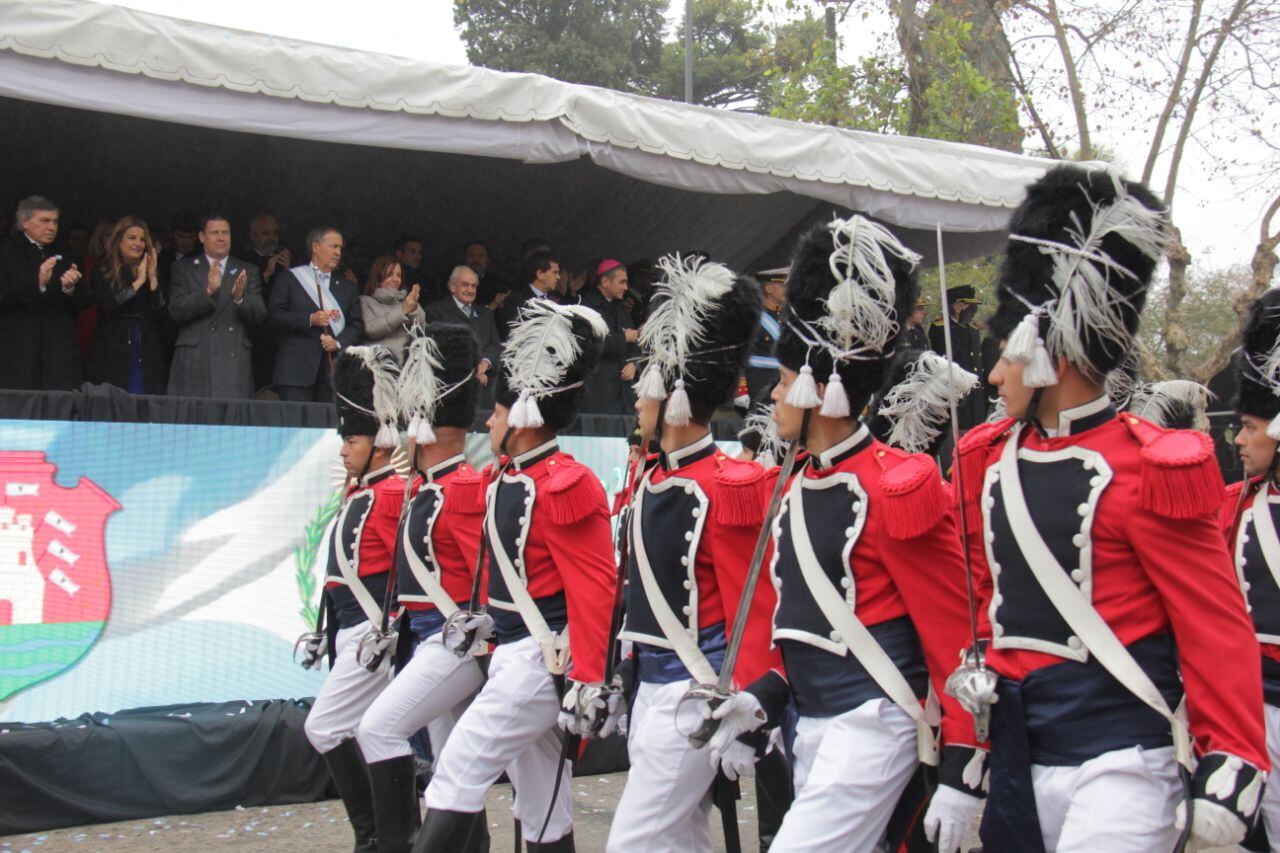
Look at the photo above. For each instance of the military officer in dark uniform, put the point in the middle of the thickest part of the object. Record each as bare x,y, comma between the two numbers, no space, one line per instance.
966,348
762,366
913,334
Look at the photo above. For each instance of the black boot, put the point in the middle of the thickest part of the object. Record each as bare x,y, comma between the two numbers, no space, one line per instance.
395,803
351,778
563,845
773,795
453,832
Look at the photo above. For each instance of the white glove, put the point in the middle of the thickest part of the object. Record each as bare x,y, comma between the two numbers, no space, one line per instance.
1212,825
457,630
736,760
581,707
950,818
739,714
616,711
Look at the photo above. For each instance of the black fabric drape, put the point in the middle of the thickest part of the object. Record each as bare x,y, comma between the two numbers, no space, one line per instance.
177,759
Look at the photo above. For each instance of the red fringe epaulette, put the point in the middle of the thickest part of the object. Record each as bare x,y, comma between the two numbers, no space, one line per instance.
1180,476
742,492
573,492
915,498
971,464
390,497
466,492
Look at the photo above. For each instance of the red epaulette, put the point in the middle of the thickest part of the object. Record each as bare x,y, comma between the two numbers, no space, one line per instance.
971,465
390,496
1180,476
915,496
574,491
742,492
466,492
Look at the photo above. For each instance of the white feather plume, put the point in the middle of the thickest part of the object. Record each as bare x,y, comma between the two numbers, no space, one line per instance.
760,421
998,410
379,361
1159,402
1120,386
542,347
676,328
1086,306
420,380
860,306
918,407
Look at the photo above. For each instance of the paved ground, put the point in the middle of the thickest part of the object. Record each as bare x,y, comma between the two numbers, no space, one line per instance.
322,827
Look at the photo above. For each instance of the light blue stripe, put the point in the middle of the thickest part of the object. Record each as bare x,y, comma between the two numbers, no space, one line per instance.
765,361
770,325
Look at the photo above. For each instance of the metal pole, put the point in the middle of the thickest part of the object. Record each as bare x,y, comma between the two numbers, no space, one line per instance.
688,51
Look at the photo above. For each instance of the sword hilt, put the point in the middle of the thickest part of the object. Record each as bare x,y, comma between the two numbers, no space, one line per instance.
313,645
373,648
463,648
714,696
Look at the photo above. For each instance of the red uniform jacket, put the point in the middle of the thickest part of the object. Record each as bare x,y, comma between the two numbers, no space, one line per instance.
893,509
443,529
365,533
564,545
1150,555
1262,607
721,505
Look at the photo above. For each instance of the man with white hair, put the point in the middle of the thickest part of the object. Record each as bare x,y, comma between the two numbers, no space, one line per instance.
460,307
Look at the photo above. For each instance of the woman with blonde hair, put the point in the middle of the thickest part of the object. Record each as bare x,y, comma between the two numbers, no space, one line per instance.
127,350
389,312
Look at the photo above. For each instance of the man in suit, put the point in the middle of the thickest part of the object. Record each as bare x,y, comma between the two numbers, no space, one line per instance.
315,314
265,251
542,273
493,290
460,307
214,299
966,346
41,293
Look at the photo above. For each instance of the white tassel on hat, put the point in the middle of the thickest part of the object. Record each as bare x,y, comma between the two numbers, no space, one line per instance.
424,434
835,402
525,414
651,386
1021,346
1273,428
678,411
388,436
1040,372
803,393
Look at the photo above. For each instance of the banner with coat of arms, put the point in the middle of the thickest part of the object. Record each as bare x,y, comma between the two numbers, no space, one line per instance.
156,564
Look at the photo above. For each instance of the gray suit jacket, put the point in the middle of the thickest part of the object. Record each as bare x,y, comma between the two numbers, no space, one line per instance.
212,355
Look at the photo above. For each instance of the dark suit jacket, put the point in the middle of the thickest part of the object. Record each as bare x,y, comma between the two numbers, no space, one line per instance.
212,355
606,391
510,310
38,329
299,354
481,323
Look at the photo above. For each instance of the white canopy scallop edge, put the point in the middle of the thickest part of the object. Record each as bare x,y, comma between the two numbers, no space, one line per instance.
109,58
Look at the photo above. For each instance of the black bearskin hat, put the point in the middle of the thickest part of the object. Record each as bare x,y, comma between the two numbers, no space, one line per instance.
365,396
698,337
1082,248
816,331
545,362
437,382
1258,361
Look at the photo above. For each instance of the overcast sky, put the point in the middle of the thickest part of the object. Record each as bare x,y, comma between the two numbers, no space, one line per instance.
1219,220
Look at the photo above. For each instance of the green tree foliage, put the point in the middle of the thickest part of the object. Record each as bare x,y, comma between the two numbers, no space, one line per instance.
730,54
612,43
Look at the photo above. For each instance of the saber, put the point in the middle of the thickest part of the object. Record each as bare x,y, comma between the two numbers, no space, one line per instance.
374,645
474,607
972,684
715,694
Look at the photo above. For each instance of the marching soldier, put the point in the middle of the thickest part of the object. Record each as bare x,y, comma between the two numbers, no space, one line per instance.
693,525
867,564
438,545
550,594
966,348
1250,513
1098,560
360,548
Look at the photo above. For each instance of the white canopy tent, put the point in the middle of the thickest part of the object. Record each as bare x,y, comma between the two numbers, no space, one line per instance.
739,183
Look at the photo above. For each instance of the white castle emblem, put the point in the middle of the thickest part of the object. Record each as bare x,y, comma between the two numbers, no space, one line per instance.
21,583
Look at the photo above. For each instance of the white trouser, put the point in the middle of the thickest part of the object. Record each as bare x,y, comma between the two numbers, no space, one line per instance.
1121,801
850,770
432,690
511,725
1271,799
666,804
345,695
